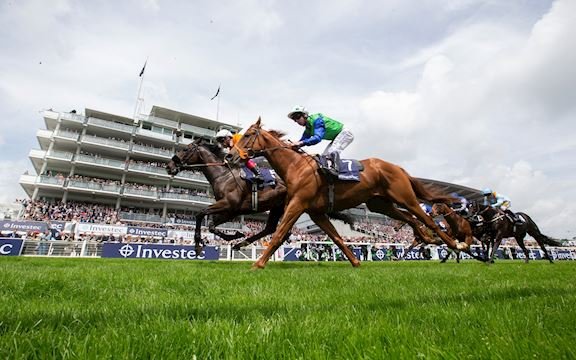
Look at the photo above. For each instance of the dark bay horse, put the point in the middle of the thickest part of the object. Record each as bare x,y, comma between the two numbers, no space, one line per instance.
499,226
233,194
381,186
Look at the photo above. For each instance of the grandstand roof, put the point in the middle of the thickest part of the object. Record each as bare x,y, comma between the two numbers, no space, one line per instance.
467,192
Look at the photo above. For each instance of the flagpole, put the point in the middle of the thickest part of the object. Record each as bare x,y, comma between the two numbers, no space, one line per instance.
217,107
139,98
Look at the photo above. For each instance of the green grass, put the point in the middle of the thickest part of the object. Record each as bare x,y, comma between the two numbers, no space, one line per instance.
154,309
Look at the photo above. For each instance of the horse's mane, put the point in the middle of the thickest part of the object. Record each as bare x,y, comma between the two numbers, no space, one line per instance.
213,148
277,133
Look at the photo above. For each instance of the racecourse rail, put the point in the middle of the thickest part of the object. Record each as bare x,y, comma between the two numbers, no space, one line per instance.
165,246
300,251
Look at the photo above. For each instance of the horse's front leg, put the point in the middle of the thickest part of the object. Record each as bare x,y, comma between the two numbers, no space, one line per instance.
222,218
292,212
495,246
198,244
271,224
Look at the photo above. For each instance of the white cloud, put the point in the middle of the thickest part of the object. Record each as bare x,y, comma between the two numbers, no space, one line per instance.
477,92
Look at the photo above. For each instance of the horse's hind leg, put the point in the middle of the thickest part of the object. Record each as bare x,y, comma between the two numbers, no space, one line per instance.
541,244
324,223
520,241
379,205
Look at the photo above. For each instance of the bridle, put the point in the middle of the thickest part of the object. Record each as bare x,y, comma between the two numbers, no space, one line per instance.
181,166
247,152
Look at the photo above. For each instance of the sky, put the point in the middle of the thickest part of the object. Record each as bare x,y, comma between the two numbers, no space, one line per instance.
481,93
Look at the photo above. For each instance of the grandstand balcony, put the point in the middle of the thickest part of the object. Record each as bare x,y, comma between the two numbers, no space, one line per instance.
148,218
198,130
109,125
93,187
97,140
177,197
155,152
157,134
198,177
171,124
148,169
140,193
91,160
51,119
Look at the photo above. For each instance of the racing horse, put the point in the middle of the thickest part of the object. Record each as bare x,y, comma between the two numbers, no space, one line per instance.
233,195
459,227
499,226
381,186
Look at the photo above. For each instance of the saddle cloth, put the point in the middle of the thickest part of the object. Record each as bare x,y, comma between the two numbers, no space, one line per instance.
348,169
269,176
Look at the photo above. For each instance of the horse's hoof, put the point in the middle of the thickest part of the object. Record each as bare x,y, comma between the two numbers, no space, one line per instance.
462,246
257,266
356,264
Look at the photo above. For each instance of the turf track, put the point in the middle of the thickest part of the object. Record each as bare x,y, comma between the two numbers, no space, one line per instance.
155,309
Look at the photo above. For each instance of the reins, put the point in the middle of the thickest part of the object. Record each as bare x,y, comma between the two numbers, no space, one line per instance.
191,167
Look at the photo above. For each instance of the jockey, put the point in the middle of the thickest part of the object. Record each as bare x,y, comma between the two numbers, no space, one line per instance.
226,141
499,201
461,206
427,208
319,127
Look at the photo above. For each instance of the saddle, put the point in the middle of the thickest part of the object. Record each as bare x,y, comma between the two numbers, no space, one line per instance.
333,168
269,176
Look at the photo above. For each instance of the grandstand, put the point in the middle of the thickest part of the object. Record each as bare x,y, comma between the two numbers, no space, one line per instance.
106,159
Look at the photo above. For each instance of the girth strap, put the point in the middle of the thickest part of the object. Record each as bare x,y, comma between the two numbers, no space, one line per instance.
254,196
330,197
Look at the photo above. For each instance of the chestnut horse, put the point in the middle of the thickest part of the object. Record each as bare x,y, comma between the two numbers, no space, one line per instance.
381,185
460,228
233,194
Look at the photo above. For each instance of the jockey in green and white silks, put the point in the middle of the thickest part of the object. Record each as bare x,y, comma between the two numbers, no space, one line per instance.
320,127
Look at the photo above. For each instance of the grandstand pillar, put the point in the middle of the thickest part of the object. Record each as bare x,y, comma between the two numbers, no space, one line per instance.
164,212
34,194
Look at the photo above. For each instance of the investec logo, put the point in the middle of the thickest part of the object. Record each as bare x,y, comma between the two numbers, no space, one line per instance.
158,253
142,232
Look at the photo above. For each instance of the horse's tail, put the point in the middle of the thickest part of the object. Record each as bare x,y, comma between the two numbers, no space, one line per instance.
347,219
429,193
535,232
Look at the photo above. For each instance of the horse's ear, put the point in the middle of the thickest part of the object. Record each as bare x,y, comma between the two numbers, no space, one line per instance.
259,121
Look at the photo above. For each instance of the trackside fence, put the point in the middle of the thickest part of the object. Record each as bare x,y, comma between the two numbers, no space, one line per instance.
300,251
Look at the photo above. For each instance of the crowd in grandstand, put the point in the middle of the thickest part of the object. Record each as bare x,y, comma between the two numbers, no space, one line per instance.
368,231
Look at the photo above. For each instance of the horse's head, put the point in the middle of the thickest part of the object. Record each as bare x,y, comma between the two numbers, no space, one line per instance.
247,146
441,209
196,152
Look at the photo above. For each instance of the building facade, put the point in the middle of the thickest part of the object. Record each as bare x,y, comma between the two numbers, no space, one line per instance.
106,159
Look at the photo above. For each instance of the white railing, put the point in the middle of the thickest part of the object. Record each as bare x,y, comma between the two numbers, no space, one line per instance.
109,142
118,164
307,251
152,150
110,124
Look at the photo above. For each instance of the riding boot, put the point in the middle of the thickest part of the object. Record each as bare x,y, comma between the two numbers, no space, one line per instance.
513,216
335,158
257,174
